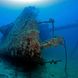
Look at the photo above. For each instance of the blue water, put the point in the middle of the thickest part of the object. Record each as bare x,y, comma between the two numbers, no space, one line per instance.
65,15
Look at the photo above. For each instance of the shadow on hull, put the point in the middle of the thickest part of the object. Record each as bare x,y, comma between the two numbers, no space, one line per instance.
26,64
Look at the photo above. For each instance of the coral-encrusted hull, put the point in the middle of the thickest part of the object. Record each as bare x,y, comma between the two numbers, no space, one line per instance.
14,46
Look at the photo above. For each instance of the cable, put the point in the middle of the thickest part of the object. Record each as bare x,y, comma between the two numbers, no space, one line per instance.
66,73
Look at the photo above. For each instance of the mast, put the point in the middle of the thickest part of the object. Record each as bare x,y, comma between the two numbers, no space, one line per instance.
49,21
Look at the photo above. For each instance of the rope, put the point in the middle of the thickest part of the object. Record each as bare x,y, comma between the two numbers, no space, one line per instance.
66,73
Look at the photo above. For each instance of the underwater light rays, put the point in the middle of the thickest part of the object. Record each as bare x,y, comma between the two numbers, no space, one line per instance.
27,2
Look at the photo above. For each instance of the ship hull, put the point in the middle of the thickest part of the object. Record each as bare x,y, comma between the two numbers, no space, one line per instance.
25,63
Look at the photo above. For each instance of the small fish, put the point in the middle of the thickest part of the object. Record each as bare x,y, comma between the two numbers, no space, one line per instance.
53,61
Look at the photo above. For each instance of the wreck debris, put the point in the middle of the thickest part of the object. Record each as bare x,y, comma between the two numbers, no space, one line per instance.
53,42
